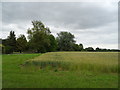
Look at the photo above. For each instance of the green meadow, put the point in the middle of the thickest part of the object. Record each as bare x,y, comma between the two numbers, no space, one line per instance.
60,70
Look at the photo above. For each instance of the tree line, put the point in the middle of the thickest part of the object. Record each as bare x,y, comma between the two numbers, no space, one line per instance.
40,40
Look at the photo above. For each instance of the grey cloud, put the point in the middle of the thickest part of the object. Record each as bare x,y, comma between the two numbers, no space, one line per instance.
91,23
69,15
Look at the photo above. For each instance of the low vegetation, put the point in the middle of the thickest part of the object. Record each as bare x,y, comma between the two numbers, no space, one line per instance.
61,70
77,61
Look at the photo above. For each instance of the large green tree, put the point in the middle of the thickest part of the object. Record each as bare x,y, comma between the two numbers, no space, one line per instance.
21,43
65,41
81,47
53,44
39,37
10,43
12,40
89,49
77,47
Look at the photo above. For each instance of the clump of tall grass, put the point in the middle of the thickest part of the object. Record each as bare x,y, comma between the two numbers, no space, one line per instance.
53,65
63,66
93,67
77,61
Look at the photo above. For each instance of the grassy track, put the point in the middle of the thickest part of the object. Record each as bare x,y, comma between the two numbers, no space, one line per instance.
79,74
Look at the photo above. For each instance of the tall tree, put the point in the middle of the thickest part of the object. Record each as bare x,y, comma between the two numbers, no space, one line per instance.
65,41
10,43
39,37
12,40
53,44
21,43
98,49
89,49
76,47
81,47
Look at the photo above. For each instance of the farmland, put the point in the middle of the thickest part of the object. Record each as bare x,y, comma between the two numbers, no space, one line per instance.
61,70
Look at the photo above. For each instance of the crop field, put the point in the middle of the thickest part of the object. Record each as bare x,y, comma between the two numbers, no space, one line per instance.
61,70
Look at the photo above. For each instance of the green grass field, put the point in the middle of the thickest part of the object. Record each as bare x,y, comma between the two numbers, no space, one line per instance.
61,70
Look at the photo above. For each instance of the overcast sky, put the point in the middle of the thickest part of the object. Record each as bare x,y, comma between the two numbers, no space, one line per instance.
94,24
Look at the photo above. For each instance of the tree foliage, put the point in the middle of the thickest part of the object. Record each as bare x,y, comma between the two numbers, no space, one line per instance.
81,47
12,40
89,49
21,43
53,44
10,43
65,41
39,37
41,40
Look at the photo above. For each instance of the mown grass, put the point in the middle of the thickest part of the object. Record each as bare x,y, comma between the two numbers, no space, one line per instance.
17,74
